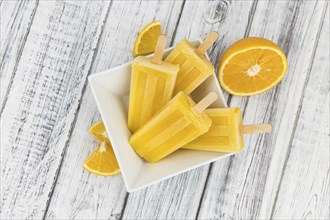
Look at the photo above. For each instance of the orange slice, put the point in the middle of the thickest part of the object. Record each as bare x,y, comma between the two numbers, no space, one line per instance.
251,66
98,131
103,161
146,41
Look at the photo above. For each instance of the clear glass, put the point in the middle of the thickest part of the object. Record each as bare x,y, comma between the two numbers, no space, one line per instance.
215,11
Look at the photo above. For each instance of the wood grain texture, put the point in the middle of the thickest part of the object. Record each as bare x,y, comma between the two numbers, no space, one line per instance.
175,198
15,21
180,197
245,186
305,189
48,48
43,100
79,194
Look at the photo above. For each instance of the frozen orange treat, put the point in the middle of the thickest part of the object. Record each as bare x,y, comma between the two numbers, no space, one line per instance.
179,122
194,66
152,84
226,132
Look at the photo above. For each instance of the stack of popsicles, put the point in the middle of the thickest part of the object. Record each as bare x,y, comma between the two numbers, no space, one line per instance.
161,123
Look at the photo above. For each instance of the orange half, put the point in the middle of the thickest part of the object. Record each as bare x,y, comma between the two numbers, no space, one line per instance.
252,66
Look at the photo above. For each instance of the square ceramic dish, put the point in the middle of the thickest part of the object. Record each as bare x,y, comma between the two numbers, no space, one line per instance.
111,90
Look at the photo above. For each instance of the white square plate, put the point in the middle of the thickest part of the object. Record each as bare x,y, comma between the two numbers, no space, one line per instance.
111,91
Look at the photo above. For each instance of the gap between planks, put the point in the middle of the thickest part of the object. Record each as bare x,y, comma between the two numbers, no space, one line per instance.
266,198
76,113
247,30
299,108
171,43
104,62
54,123
17,59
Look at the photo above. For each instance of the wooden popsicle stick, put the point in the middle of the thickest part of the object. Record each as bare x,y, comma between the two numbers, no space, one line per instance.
205,102
159,51
257,128
207,43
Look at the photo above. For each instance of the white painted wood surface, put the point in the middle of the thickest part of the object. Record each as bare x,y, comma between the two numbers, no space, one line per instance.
43,100
49,47
305,186
16,18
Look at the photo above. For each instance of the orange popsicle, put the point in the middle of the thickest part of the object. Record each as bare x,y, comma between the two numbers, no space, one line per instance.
152,84
226,132
179,122
194,66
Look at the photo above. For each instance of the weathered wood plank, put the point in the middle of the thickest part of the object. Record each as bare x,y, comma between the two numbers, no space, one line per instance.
305,187
43,100
15,21
245,186
79,194
179,197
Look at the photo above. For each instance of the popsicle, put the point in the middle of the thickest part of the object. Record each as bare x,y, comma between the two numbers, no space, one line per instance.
176,124
152,84
226,132
194,66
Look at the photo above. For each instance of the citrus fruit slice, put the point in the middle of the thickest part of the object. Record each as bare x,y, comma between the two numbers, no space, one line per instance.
98,131
102,161
146,41
251,66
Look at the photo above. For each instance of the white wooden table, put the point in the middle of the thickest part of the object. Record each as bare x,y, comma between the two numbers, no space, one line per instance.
48,48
